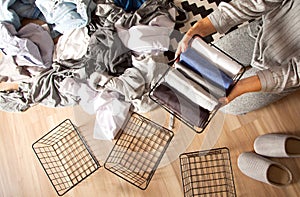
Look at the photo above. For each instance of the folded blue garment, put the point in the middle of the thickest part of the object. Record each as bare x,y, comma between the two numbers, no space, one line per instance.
194,61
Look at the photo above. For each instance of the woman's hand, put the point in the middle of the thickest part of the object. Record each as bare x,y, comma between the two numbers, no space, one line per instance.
203,28
183,45
250,84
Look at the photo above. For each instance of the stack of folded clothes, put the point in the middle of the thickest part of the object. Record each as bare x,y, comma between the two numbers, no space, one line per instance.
191,89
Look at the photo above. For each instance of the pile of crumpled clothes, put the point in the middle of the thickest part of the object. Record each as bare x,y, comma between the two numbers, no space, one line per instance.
69,52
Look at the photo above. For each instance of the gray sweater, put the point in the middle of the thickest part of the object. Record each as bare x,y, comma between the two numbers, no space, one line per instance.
277,48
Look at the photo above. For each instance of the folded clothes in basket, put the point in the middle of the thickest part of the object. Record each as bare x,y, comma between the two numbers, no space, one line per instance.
188,73
199,64
180,105
220,60
192,87
191,90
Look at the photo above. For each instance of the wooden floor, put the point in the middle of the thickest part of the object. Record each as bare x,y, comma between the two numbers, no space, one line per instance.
22,174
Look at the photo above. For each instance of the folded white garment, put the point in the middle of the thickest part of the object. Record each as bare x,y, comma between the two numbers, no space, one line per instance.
212,89
191,90
222,61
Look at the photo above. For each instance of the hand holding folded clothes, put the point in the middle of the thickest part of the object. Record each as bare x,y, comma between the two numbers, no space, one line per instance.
204,78
182,46
203,28
250,84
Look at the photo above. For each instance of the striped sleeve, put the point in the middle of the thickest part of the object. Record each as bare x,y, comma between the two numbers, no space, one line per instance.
236,12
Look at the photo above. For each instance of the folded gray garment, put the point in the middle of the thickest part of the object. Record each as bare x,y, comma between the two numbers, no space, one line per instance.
180,105
212,89
221,61
190,89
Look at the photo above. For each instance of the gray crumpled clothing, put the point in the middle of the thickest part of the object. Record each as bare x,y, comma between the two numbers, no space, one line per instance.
16,100
109,13
106,52
136,82
31,42
149,10
45,90
104,47
106,14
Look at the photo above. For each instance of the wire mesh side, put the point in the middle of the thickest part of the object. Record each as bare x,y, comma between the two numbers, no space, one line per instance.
138,150
56,135
64,157
207,173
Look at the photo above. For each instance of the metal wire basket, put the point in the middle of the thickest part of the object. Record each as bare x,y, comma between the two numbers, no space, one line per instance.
207,173
65,157
138,150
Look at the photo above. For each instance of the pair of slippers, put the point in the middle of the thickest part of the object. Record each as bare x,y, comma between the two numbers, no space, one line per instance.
258,167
